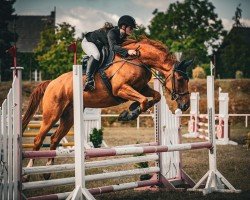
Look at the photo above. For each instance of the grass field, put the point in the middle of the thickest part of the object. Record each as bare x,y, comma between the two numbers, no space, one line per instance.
233,163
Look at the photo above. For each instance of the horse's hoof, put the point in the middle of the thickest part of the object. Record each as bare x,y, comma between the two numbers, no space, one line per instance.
47,176
134,105
134,113
25,178
123,116
132,116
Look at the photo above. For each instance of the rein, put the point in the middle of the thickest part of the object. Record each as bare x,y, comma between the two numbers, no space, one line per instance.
174,94
141,64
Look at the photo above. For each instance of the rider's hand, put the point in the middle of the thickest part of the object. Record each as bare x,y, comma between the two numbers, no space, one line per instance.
132,52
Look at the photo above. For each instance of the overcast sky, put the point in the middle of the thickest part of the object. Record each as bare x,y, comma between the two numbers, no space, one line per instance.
88,15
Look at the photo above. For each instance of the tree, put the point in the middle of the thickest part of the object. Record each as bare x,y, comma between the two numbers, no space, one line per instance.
234,53
141,30
190,27
237,17
7,38
52,54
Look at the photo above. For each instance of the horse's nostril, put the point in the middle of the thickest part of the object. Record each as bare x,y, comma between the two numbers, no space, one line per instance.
186,106
183,107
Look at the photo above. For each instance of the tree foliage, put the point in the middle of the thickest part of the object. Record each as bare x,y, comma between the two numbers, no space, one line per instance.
234,54
191,27
7,37
141,30
237,16
52,54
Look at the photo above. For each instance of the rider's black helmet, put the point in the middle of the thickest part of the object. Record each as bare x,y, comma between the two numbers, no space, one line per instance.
127,20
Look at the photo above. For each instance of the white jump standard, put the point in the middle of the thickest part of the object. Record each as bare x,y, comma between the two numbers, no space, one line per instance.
198,125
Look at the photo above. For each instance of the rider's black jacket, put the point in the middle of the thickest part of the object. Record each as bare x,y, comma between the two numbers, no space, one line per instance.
111,39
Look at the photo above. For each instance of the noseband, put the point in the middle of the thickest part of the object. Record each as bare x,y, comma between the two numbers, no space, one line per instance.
174,94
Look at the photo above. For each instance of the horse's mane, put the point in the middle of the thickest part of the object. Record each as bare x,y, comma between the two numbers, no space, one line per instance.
158,44
143,39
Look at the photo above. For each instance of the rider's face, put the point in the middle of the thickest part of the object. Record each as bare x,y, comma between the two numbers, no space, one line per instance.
129,30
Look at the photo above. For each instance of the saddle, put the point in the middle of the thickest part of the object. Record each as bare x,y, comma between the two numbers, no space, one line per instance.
106,60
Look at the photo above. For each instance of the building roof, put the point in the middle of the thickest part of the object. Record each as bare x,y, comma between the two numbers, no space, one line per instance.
242,32
29,28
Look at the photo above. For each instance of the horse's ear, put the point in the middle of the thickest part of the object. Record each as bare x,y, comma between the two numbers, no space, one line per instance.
183,65
179,65
188,63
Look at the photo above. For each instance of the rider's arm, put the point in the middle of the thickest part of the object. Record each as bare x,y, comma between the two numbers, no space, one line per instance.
114,46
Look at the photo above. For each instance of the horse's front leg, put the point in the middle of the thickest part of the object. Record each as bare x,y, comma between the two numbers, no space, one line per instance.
149,92
127,92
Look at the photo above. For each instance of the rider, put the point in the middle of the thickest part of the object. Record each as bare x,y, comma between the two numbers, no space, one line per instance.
111,38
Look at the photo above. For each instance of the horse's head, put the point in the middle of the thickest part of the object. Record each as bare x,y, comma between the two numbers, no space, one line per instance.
157,56
177,84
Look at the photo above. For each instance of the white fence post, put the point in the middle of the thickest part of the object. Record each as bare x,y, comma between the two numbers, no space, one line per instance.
80,190
224,139
91,119
167,133
194,114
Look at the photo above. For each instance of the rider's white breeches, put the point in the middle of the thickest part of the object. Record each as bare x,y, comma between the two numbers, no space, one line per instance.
90,49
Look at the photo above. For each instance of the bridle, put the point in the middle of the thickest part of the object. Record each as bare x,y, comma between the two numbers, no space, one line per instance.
174,94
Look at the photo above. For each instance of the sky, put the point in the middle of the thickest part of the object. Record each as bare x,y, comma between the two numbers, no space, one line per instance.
89,15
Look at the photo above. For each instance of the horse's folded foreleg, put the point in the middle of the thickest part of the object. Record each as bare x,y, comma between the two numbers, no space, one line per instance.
149,92
127,92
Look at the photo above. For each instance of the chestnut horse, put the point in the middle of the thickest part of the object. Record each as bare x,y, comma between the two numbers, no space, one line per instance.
129,80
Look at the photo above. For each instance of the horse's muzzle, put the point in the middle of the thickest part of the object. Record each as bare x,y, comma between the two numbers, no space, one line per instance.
184,106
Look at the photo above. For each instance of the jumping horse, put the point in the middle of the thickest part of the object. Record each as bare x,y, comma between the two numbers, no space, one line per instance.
129,81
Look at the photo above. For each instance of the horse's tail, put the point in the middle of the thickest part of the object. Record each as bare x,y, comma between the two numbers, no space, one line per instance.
34,101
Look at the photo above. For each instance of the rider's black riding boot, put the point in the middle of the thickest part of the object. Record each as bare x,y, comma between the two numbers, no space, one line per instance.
90,72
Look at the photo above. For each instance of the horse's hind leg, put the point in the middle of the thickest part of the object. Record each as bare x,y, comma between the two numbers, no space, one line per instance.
49,119
66,122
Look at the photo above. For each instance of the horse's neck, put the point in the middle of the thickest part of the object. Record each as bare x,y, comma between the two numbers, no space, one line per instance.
165,68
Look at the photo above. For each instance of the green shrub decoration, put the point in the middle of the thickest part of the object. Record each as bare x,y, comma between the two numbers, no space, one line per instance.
206,67
143,165
96,137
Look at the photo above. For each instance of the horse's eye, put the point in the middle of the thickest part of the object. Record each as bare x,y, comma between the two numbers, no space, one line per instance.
179,78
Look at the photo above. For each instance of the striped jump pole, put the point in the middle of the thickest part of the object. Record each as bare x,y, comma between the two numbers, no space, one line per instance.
93,177
69,144
100,190
33,134
104,152
89,165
